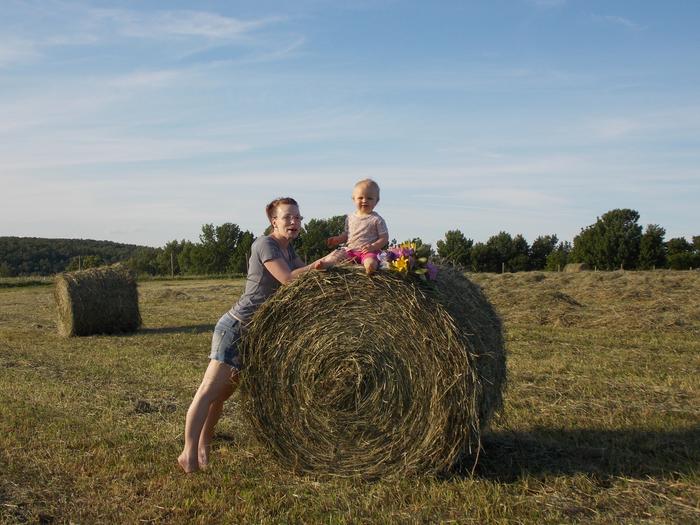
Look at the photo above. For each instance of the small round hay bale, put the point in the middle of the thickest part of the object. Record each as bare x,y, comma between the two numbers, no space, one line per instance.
97,301
576,267
351,375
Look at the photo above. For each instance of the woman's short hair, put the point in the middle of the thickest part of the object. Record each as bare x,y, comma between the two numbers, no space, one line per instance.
271,208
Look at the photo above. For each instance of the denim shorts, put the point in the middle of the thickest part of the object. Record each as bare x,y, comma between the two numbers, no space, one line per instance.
226,340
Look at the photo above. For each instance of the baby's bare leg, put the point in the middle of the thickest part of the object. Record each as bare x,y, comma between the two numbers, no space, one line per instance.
333,258
371,264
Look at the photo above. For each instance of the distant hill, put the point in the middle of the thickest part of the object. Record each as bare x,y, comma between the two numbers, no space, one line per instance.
38,256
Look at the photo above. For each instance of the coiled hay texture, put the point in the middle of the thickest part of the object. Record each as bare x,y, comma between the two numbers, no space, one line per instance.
97,301
352,375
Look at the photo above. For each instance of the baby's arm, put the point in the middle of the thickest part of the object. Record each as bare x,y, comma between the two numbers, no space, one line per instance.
336,240
339,239
377,245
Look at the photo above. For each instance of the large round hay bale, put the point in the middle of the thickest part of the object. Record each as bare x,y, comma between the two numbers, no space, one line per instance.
97,301
351,375
576,267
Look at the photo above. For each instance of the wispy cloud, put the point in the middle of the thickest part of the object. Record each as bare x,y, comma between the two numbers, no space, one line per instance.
109,148
15,50
145,79
662,124
620,21
173,34
512,198
181,23
613,127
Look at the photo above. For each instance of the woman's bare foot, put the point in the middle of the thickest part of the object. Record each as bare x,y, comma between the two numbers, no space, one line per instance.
203,456
187,464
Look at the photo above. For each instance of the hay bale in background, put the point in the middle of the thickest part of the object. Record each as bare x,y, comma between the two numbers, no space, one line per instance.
97,301
351,375
576,267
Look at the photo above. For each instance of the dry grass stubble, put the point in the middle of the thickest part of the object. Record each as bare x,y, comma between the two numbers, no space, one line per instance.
600,424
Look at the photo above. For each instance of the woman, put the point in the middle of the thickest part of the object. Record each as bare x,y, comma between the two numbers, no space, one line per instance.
273,262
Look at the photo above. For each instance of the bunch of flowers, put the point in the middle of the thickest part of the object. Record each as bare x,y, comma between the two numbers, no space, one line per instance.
407,259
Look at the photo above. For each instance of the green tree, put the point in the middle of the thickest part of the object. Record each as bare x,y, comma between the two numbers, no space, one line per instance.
145,260
682,261
678,245
239,259
558,257
168,258
218,245
6,270
519,261
484,258
541,247
311,244
188,259
501,252
611,243
681,254
652,249
456,248
83,262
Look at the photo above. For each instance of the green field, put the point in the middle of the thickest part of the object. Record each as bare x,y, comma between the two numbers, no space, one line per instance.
601,422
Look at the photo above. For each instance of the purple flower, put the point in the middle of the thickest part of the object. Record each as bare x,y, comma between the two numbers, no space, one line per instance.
432,271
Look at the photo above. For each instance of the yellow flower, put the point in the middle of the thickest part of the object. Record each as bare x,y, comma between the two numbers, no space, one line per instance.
409,245
401,264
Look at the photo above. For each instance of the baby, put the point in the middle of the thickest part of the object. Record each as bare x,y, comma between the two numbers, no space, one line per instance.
365,231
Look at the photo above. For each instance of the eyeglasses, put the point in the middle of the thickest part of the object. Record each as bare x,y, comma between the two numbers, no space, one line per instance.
290,218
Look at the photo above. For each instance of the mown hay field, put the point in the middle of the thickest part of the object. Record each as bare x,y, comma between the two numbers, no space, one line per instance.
601,422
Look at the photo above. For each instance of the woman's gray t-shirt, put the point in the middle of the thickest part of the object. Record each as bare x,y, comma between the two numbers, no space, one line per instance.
260,284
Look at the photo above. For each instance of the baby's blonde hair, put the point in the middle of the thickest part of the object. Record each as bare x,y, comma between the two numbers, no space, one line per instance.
368,182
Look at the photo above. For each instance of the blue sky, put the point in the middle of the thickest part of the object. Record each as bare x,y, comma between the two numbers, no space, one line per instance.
139,122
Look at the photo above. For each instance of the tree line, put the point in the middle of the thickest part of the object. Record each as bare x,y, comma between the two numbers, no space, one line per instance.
225,249
614,241
38,256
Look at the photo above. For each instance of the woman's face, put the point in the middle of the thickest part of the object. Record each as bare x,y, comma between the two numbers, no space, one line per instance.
287,221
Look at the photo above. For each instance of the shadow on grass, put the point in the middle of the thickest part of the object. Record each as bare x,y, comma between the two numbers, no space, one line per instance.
192,329
510,456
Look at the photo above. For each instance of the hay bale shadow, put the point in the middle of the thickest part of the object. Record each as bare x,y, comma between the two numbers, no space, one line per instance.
510,456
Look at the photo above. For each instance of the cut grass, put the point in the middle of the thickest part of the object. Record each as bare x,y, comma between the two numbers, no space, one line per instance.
601,421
